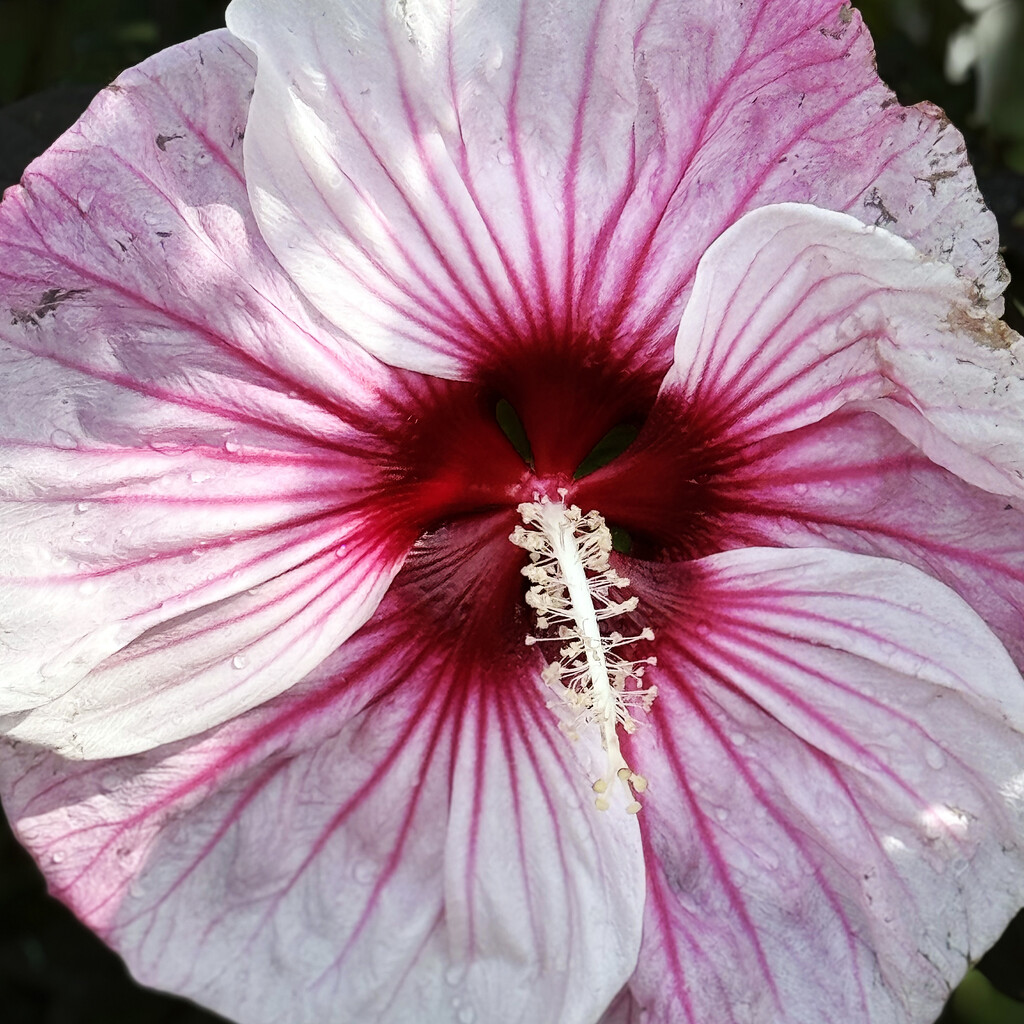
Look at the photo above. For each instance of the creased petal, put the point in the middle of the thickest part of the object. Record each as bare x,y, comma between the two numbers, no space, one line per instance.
797,312
624,1010
400,839
185,463
834,753
445,180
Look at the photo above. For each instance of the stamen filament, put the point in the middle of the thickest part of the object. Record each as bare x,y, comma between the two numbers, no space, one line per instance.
572,578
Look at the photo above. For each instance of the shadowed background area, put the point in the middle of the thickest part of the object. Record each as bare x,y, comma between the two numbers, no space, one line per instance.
56,54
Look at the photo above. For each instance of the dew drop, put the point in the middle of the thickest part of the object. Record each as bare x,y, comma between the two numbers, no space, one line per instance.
57,856
239,661
504,157
230,447
721,813
935,758
454,975
82,507
364,872
199,476
342,551
62,439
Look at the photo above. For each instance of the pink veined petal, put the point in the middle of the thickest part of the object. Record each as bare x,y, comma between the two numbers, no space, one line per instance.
852,482
186,463
404,837
451,181
835,751
134,233
797,312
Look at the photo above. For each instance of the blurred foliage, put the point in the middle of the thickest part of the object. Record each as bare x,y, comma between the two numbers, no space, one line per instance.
54,54
47,42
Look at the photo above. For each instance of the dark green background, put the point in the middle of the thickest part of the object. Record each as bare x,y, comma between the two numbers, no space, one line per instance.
55,55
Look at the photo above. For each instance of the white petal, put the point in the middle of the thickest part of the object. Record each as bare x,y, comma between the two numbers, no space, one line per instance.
449,182
834,812
797,312
178,429
405,837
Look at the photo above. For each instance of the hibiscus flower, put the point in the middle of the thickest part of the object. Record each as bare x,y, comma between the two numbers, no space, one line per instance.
320,333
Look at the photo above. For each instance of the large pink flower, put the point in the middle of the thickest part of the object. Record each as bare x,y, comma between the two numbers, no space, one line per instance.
275,730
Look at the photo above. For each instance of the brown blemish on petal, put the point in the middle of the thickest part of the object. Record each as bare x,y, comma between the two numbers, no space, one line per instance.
932,180
874,200
47,305
162,140
984,329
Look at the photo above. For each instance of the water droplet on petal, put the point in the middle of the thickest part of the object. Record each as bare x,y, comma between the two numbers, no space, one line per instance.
82,507
62,439
57,856
199,476
342,551
364,872
504,157
239,661
230,447
454,974
935,758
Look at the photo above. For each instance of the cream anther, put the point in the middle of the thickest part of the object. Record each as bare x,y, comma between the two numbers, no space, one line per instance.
571,592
